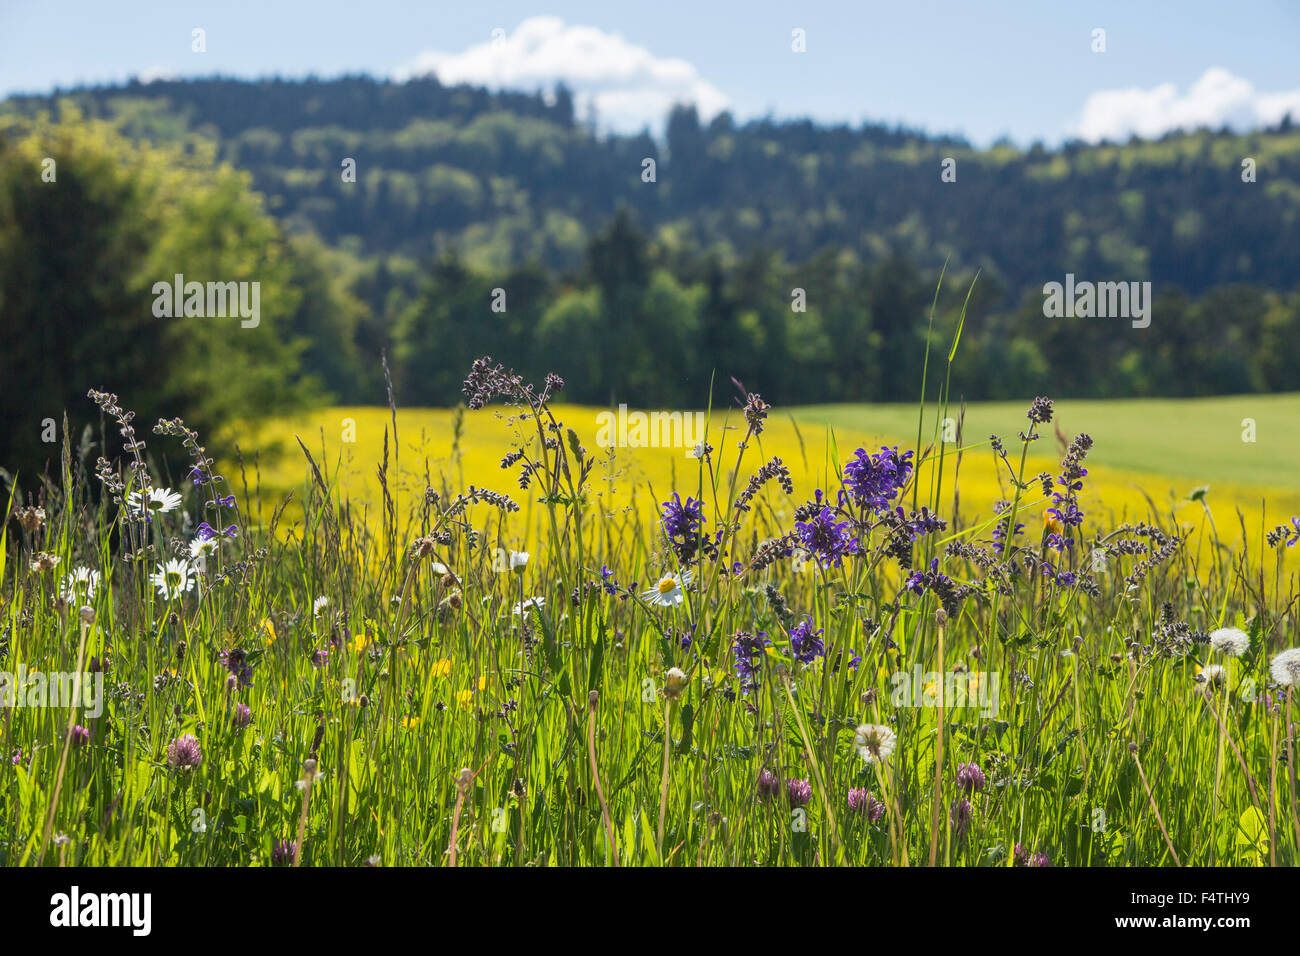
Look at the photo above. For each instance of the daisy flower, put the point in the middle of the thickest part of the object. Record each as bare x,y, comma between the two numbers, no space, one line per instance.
79,583
523,607
875,742
518,561
172,579
320,604
1285,668
1230,641
669,591
154,501
200,548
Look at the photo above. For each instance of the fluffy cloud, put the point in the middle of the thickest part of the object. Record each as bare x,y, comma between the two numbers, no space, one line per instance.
1217,99
629,86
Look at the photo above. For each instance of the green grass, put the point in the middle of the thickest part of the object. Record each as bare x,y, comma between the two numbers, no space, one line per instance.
442,727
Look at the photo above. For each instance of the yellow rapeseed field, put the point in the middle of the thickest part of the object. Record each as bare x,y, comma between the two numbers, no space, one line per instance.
349,445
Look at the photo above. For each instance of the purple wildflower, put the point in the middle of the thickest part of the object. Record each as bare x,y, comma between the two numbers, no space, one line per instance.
799,792
769,786
284,852
827,540
235,660
243,715
749,650
805,642
970,777
80,736
874,481
861,801
960,816
682,524
184,752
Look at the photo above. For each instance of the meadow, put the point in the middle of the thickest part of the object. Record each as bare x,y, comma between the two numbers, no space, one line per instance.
475,637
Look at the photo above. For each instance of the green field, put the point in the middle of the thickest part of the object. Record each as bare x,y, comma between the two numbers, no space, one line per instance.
1197,440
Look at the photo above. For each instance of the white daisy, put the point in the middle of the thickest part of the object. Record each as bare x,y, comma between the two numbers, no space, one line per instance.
523,607
320,604
200,548
669,591
518,561
437,567
154,501
875,742
1285,668
173,579
1230,641
79,583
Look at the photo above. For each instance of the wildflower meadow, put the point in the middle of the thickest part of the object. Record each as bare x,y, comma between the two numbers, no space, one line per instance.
759,674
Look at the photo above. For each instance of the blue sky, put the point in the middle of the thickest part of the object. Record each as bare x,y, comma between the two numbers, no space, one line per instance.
1016,68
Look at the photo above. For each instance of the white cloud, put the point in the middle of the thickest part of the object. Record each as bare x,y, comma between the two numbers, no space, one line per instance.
155,73
1217,99
629,86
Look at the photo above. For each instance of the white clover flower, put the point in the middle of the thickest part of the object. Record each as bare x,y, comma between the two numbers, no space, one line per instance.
173,579
523,607
154,501
1285,667
669,591
875,742
79,583
1230,640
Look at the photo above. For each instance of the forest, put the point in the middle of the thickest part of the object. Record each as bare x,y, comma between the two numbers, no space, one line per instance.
427,225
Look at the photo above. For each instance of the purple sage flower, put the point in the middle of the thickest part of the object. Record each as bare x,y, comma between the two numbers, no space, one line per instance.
805,642
873,481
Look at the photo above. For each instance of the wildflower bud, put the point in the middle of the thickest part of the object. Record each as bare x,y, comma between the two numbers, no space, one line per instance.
87,614
674,683
309,767
1133,747
448,580
454,600
940,617
975,652
593,698
364,702
464,780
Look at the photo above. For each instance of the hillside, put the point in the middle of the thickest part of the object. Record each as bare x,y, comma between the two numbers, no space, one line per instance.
511,177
